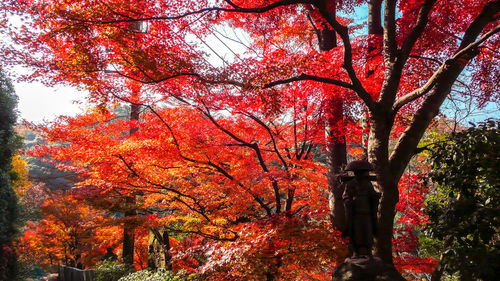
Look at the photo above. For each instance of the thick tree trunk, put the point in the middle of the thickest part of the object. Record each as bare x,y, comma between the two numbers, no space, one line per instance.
387,211
378,155
273,273
374,20
378,143
270,277
274,263
408,142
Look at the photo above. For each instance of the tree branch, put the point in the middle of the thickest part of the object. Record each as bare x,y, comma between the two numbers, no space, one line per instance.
260,122
307,77
488,14
390,45
396,61
253,146
442,71
316,30
422,20
206,235
163,187
426,58
234,9
409,140
227,175
343,32
274,182
151,80
209,163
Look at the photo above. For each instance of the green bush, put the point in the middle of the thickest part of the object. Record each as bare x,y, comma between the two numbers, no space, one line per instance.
157,275
463,213
112,271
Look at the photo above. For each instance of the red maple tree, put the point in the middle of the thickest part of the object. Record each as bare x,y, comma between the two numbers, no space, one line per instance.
235,181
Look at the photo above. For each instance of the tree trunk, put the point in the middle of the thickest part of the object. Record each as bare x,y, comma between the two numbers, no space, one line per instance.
387,212
166,251
378,143
128,233
159,249
128,227
374,19
375,32
336,152
336,159
378,155
273,273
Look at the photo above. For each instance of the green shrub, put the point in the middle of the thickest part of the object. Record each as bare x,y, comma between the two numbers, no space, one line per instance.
463,213
112,271
157,275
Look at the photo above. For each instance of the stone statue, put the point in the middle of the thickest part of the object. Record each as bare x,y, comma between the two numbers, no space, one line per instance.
361,205
109,256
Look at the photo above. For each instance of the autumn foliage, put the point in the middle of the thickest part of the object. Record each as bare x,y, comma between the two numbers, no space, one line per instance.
207,182
237,153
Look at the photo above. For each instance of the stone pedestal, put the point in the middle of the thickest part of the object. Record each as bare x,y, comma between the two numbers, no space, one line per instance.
366,269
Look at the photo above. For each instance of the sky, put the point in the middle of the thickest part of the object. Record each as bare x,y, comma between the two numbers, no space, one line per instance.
38,103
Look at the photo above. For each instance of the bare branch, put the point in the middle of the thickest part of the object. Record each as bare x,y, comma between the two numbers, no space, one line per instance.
426,58
234,9
307,77
260,122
